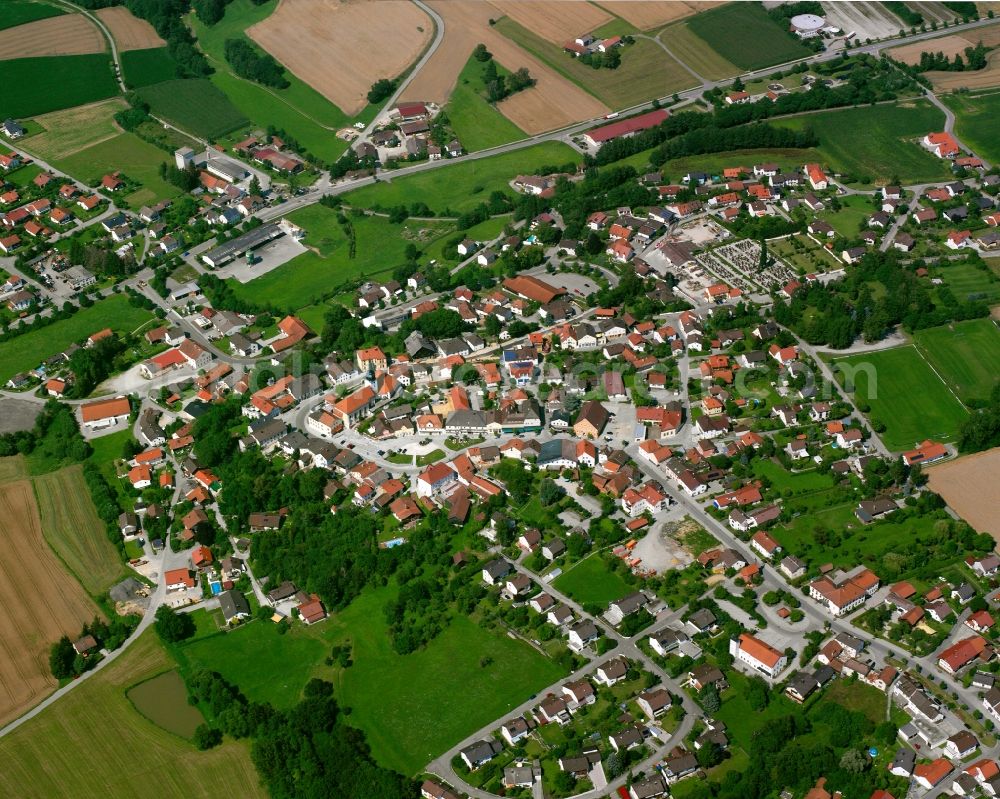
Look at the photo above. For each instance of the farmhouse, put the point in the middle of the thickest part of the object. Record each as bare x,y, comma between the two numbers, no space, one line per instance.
928,452
943,145
105,413
626,127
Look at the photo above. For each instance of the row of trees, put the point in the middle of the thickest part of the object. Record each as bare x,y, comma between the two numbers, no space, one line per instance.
982,429
975,58
250,63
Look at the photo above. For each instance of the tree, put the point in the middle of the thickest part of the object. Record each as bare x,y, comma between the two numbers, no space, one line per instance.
206,737
549,492
61,658
481,53
381,90
757,694
709,698
171,626
854,761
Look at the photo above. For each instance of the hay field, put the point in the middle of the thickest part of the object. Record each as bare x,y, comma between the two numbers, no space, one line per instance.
69,34
129,32
13,468
93,744
67,132
970,486
554,20
73,529
552,103
646,14
40,603
335,47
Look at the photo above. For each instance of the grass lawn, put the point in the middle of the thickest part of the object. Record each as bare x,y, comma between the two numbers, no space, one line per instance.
744,34
740,719
18,12
414,707
646,70
134,157
309,277
785,481
443,249
591,581
27,351
812,258
877,143
849,220
693,51
267,666
476,122
976,122
715,163
146,67
93,744
196,106
965,354
906,395
73,529
37,85
460,186
855,696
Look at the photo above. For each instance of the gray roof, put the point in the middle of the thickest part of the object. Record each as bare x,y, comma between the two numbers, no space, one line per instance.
233,604
248,241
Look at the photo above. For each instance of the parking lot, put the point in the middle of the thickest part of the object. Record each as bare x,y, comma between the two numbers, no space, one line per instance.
272,255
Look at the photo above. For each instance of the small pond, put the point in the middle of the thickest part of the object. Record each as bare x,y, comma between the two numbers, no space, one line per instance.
163,700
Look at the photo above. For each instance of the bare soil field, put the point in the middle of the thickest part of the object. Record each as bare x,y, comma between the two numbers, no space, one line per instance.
933,12
949,45
129,32
970,485
342,48
69,34
67,132
41,602
646,14
554,20
863,20
553,102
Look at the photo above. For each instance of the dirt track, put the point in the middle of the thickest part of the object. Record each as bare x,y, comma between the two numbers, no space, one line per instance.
552,103
40,602
970,486
647,14
341,49
555,20
70,34
129,32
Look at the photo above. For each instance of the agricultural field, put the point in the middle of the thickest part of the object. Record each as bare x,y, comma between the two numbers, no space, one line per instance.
73,529
970,488
131,155
413,707
555,21
952,45
267,666
26,351
693,51
591,581
980,79
128,31
475,121
969,282
975,122
94,744
646,14
746,36
39,85
66,34
646,71
465,185
716,163
67,132
878,143
300,110
41,602
552,103
148,67
299,35
13,467
307,278
965,354
18,12
906,395
196,106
